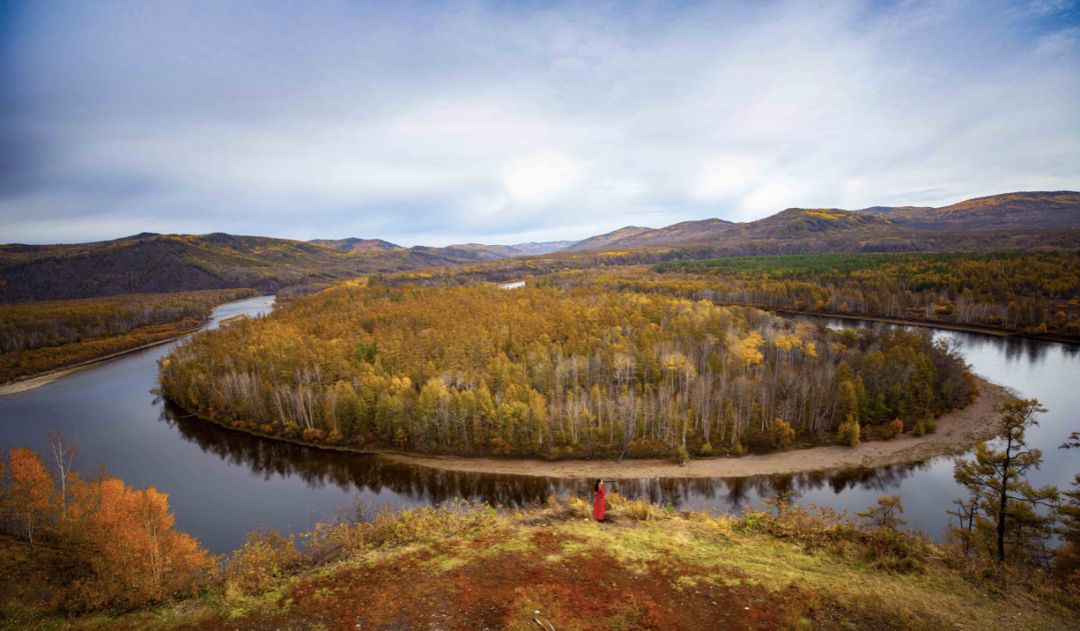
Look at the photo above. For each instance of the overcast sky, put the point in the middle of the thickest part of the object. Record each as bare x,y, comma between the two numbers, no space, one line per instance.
432,123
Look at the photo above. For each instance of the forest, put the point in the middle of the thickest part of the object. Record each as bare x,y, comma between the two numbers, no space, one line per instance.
1036,293
40,336
558,372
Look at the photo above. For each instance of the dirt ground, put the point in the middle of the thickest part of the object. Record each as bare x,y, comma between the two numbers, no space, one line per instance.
36,381
956,431
525,589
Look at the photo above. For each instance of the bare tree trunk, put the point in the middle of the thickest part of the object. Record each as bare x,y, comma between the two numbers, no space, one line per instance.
63,456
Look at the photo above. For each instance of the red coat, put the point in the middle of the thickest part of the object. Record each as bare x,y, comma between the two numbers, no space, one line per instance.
598,503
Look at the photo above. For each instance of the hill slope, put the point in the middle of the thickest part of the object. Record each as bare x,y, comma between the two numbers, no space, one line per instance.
1010,211
1007,221
602,241
352,244
490,252
154,263
466,251
150,263
463,566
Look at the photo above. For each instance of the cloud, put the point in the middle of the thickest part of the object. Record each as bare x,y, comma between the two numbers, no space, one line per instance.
1058,43
432,124
728,176
541,177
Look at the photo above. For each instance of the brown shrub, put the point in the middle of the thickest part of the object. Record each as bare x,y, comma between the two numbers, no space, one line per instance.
893,429
257,566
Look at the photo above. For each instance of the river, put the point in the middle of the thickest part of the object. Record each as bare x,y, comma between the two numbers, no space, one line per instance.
222,483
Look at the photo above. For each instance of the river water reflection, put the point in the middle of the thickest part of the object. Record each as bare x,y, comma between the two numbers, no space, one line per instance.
223,483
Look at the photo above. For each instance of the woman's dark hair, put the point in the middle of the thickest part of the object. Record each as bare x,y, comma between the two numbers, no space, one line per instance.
596,487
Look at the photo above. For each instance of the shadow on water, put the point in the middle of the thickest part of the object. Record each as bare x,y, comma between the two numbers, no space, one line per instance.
1008,347
365,474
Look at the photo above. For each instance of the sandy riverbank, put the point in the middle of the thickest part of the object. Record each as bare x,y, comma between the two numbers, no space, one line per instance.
956,432
41,379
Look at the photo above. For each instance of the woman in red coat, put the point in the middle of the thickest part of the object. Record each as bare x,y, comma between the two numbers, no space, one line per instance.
599,493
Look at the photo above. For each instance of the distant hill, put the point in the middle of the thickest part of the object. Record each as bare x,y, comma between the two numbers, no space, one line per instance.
1023,211
463,251
493,252
1008,221
150,263
153,263
602,241
353,244
534,248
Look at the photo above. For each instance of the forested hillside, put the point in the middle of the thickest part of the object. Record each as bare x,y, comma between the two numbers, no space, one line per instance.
39,336
551,372
1035,293
601,241
147,263
1013,211
151,263
1012,220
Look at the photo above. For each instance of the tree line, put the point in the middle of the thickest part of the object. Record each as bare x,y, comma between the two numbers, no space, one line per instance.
553,372
40,336
1030,292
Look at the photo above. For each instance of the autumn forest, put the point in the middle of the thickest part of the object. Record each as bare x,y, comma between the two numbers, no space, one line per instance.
551,372
39,336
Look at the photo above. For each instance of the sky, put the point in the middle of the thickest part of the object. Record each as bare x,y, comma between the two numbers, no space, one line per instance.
501,122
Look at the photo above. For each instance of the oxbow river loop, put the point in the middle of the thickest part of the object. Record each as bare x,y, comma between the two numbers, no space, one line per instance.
222,483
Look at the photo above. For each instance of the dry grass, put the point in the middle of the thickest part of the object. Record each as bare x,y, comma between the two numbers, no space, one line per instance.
466,567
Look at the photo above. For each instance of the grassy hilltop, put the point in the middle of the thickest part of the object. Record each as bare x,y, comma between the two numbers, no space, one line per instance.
551,567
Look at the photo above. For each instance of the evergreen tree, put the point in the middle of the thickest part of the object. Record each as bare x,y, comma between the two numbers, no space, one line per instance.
1008,504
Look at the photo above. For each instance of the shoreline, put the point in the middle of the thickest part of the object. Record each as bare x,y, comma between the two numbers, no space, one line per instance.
957,431
930,324
949,326
31,382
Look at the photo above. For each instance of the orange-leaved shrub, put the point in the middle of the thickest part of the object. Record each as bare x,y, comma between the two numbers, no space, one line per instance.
893,429
121,542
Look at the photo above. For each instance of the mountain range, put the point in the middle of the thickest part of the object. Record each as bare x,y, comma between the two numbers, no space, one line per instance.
460,250
878,227
150,262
